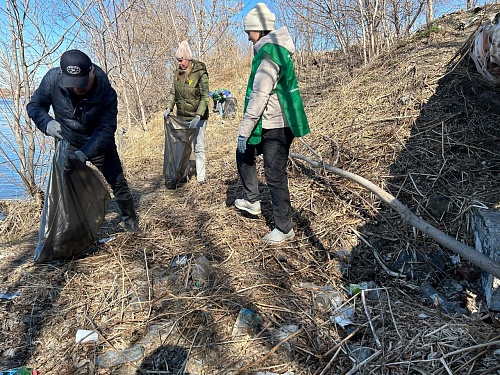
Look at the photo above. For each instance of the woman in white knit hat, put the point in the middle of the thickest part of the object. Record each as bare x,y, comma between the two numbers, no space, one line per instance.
273,115
190,95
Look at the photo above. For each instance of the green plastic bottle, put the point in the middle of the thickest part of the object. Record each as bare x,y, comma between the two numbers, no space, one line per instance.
19,371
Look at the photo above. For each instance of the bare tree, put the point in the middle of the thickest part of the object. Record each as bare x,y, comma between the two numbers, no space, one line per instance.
26,46
135,42
430,11
359,29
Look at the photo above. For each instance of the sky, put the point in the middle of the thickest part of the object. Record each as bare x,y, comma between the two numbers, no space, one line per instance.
249,5
441,6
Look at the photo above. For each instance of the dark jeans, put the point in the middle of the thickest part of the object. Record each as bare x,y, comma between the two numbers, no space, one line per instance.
111,168
274,147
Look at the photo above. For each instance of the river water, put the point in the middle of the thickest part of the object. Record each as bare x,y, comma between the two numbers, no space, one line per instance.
11,186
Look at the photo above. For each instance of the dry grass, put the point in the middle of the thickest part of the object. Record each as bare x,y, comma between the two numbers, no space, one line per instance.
394,123
21,219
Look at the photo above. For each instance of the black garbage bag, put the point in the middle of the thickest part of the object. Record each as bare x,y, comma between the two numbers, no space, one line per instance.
178,148
75,205
230,108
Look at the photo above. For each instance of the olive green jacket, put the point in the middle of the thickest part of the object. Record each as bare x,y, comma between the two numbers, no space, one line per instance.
190,93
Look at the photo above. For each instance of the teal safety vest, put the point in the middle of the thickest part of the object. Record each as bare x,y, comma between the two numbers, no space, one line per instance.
287,90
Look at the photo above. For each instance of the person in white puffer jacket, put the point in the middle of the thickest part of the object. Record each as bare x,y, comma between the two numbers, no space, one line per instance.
273,116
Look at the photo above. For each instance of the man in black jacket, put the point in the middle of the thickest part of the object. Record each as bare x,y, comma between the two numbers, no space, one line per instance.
85,111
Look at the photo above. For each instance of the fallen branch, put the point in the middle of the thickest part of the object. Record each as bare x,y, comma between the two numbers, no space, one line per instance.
482,261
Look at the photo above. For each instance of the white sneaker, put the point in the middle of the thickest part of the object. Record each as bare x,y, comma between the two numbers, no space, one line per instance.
276,236
251,208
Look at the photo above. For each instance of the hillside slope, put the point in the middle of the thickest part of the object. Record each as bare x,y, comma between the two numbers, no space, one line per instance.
418,122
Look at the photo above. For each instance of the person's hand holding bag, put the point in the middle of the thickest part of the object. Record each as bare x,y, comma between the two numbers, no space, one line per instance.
194,122
167,113
54,129
75,159
78,156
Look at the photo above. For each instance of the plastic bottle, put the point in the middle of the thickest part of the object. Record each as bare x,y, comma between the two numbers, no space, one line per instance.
328,300
246,323
19,371
201,268
113,358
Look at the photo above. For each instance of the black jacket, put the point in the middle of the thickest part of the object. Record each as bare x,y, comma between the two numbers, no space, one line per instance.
88,125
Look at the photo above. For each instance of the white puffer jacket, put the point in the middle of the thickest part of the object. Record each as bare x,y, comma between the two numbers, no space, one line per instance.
261,102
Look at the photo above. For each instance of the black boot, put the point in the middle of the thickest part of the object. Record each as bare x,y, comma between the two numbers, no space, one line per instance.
129,217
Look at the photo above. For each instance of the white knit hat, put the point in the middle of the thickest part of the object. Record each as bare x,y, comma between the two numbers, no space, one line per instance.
259,18
184,52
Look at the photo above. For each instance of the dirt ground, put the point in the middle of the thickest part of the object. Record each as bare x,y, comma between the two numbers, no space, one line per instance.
418,122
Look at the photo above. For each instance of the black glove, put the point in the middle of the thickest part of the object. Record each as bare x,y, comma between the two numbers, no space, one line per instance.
76,160
78,157
82,158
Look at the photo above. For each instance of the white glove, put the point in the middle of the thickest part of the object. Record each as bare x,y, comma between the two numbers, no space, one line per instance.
194,122
242,144
54,129
167,112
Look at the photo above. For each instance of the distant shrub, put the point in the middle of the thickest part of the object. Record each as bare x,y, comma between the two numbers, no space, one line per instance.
425,33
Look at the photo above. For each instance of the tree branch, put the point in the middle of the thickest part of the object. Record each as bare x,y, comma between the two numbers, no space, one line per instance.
482,261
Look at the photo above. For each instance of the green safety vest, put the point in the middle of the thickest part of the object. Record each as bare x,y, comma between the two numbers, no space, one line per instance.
287,90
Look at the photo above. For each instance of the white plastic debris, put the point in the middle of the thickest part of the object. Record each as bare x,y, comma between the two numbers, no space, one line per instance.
85,336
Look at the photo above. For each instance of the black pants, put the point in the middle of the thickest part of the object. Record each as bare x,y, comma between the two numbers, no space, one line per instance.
275,148
110,166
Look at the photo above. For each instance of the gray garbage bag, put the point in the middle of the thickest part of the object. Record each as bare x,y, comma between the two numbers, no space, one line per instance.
178,148
75,205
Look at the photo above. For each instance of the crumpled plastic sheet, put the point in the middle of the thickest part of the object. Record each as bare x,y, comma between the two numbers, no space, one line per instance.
10,296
